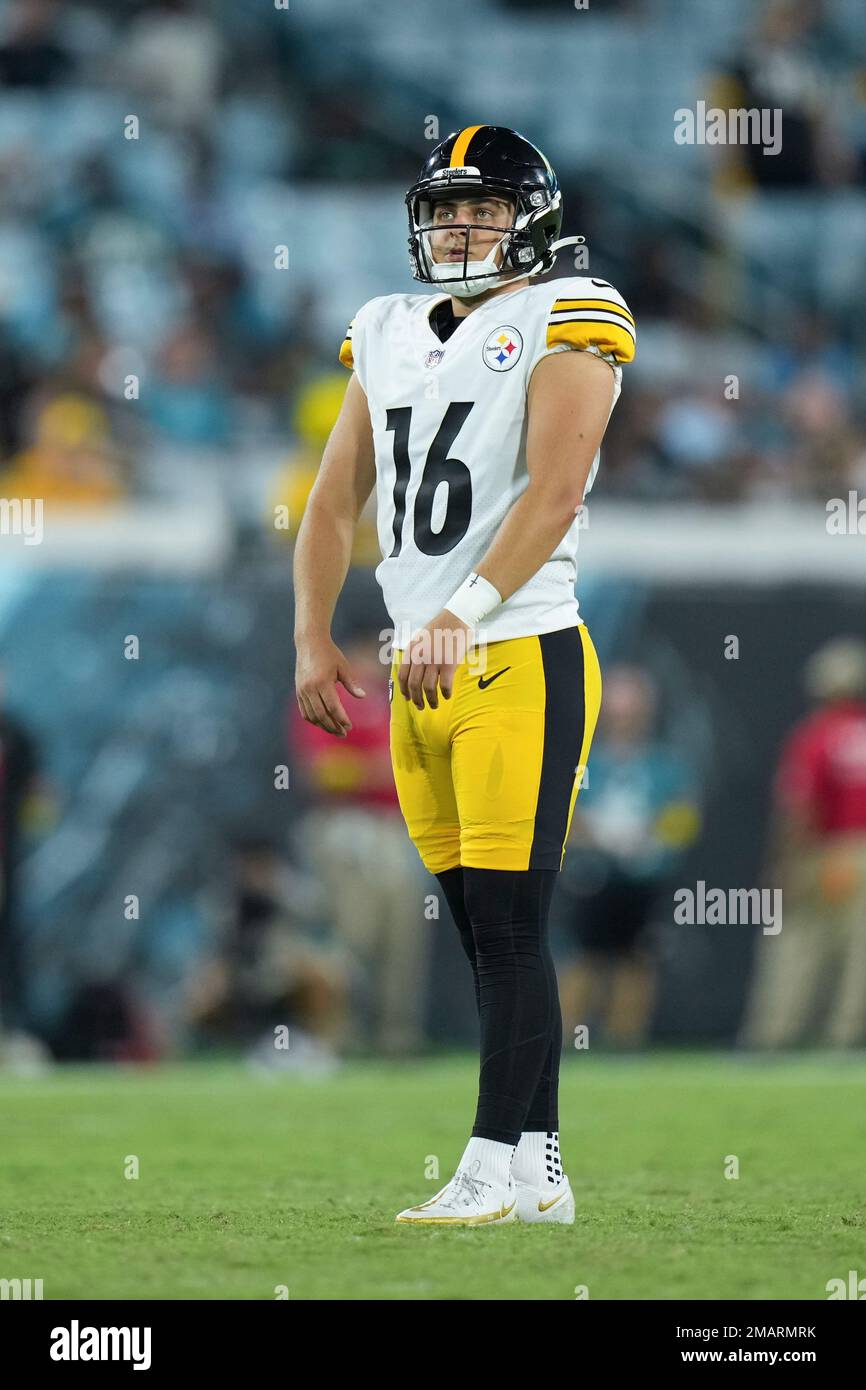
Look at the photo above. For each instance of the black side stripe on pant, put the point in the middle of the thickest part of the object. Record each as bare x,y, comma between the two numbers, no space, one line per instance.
564,721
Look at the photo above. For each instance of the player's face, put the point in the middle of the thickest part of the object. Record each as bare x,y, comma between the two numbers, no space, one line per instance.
483,220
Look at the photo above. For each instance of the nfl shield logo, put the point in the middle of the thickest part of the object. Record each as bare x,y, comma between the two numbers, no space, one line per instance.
434,358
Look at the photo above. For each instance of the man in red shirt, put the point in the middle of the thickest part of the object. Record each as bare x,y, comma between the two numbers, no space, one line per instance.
819,957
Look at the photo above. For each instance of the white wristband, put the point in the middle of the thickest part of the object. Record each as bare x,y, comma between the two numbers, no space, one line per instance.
474,600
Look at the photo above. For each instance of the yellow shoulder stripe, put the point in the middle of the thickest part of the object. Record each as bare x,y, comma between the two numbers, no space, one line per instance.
562,304
346,354
607,337
461,145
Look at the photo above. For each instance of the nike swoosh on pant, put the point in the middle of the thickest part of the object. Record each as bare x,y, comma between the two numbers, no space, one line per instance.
483,684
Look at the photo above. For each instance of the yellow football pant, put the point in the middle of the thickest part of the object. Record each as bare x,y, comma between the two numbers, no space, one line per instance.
489,779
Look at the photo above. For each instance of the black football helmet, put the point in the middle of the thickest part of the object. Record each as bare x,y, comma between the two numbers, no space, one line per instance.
499,161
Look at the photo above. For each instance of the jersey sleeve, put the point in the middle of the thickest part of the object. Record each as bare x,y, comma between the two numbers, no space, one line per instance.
346,356
352,349
591,316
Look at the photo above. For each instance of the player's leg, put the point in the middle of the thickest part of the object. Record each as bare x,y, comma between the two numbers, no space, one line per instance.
453,880
451,883
517,772
421,762
522,810
539,1145
421,750
421,758
520,1022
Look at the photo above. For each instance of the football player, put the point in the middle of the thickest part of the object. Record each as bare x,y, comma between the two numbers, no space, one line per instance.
477,412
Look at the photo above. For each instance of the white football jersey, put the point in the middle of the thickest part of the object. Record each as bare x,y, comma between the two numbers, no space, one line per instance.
449,428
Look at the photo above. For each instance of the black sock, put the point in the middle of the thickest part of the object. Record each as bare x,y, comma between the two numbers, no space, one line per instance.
543,1111
521,1023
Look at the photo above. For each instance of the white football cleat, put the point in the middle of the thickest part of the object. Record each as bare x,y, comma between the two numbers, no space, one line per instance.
546,1203
466,1201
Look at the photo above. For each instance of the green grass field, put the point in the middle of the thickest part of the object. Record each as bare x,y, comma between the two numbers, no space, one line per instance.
248,1182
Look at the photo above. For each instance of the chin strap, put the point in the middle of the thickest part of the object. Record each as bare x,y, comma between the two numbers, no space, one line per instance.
557,246
566,241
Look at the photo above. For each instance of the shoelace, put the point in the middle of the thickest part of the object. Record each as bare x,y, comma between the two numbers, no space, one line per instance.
473,1186
467,1187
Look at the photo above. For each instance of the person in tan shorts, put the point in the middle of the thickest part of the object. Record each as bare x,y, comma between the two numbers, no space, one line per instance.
810,978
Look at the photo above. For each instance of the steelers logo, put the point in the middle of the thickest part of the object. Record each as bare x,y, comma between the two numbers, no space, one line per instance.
502,348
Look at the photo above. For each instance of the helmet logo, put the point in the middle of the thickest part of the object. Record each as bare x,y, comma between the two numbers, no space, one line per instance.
502,348
536,199
464,172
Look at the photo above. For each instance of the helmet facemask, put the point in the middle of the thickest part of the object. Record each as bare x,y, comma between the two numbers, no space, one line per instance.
520,251
464,278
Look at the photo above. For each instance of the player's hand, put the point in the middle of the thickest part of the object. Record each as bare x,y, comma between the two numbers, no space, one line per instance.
320,665
431,658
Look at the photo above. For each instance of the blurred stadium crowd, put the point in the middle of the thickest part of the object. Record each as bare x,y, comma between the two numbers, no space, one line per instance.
153,256
194,199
